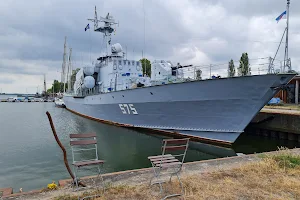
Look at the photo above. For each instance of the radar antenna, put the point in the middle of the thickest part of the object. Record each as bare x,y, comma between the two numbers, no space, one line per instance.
106,29
95,20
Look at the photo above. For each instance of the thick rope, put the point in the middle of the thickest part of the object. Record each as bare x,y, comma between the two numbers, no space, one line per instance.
62,148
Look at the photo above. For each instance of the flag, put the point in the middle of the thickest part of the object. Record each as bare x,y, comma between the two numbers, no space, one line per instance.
281,16
87,27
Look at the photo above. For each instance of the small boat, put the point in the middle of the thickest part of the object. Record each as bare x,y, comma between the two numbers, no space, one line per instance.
59,103
37,99
11,99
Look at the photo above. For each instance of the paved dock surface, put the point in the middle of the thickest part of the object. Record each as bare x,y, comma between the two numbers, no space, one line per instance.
281,111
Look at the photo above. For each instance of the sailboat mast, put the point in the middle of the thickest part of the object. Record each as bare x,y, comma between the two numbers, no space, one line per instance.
45,88
69,73
63,76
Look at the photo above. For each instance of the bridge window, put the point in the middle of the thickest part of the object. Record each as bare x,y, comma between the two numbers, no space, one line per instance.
120,62
132,62
124,62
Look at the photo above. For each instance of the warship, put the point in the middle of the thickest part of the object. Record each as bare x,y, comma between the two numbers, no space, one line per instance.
114,89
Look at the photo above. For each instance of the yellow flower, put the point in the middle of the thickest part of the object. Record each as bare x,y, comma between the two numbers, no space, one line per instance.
52,186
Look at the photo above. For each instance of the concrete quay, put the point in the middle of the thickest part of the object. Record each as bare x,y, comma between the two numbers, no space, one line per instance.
281,122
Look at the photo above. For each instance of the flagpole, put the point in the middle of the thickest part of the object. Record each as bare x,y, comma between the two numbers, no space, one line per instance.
286,53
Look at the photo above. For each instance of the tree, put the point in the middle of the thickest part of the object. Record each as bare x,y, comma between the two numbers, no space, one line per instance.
231,69
244,68
73,77
58,87
146,65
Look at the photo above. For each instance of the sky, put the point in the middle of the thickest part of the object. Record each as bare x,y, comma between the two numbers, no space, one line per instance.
195,32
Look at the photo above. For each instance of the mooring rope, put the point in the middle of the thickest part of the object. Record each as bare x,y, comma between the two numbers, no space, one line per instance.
62,148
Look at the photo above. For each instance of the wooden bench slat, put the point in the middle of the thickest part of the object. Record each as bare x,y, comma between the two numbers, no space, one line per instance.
150,157
164,158
86,163
84,135
167,164
165,161
174,148
176,141
83,142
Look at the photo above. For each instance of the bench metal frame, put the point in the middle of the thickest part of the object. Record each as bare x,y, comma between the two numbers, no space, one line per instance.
77,141
169,161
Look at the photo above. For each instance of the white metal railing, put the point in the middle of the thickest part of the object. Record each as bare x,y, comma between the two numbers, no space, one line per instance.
258,66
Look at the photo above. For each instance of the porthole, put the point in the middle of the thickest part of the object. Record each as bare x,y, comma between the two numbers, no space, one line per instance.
120,67
115,67
138,68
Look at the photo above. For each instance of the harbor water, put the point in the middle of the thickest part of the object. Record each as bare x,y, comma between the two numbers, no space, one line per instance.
30,157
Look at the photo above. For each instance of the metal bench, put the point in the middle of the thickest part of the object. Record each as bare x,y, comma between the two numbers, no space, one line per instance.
173,161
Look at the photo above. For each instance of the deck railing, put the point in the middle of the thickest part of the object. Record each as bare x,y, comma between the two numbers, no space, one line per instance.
258,66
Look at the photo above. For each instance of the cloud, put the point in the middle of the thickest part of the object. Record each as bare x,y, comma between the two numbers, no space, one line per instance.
190,32
6,80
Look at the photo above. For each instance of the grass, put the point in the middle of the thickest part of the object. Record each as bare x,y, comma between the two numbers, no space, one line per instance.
273,177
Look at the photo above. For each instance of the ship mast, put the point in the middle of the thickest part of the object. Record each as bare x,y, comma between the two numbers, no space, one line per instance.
69,73
63,76
106,29
287,60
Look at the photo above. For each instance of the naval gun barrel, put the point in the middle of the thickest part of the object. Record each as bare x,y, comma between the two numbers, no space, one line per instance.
180,66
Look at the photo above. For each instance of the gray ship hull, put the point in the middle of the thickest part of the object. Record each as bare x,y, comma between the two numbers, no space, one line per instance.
216,109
